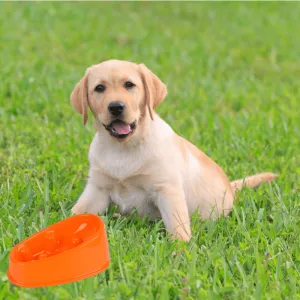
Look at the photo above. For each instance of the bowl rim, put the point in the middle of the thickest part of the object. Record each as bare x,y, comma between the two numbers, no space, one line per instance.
33,262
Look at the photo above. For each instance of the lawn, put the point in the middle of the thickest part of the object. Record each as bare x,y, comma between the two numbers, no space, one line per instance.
232,71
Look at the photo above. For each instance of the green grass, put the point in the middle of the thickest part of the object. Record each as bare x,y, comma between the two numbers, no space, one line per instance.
233,72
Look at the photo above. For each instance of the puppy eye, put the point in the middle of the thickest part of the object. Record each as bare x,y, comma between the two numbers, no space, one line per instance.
129,85
100,88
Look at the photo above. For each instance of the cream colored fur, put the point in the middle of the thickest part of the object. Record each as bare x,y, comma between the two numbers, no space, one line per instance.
153,170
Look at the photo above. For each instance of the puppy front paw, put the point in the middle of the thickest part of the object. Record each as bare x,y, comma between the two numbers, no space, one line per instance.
93,200
183,236
77,209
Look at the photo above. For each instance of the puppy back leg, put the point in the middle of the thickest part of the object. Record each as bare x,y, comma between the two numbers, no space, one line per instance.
93,200
173,208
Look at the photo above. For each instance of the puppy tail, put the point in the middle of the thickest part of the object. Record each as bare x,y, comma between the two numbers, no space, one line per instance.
252,181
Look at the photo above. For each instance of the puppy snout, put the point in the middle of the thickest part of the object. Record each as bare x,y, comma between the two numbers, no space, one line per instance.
116,108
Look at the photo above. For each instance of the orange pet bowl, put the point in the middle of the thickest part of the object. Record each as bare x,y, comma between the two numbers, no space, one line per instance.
70,250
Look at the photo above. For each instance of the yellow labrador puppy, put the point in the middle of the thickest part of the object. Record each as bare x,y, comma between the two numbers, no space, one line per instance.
138,161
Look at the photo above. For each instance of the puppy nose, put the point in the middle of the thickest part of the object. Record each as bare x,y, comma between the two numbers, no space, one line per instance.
116,108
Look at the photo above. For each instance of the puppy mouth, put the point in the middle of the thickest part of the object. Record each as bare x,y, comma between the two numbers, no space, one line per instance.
120,129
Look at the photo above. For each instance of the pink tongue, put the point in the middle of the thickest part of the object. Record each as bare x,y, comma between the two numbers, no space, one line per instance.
121,128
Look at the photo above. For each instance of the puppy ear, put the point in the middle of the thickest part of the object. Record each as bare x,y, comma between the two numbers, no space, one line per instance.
79,97
155,89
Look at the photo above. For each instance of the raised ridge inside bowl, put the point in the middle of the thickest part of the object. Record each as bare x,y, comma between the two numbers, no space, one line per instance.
58,238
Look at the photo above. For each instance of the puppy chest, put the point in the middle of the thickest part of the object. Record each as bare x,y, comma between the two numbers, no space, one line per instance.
118,164
128,197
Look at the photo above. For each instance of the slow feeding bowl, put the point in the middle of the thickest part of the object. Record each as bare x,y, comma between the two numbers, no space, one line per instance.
70,250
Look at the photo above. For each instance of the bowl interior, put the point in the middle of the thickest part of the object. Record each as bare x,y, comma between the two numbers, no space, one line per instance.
57,238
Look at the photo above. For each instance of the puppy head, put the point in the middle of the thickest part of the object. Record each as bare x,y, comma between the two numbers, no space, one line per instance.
120,94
